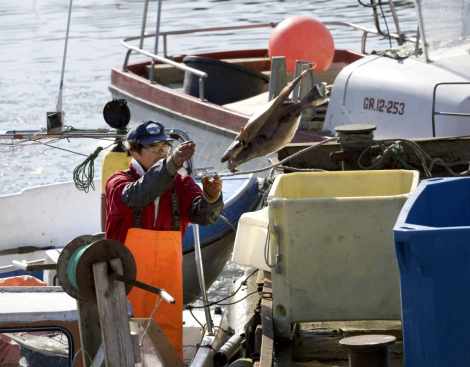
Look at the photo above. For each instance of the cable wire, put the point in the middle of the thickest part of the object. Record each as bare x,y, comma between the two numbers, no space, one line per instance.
398,151
195,318
59,148
188,307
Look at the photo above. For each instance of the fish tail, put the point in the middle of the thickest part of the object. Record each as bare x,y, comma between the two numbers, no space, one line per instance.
315,97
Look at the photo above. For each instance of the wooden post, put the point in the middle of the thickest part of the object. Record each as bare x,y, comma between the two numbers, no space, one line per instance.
308,81
90,333
278,77
114,321
300,66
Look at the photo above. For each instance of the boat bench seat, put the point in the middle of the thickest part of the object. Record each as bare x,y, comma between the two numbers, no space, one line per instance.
254,63
166,74
226,82
169,75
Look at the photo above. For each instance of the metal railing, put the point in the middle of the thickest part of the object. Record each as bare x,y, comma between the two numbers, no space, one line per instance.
202,75
165,60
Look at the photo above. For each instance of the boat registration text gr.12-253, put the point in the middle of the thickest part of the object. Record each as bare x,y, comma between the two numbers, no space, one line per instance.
383,105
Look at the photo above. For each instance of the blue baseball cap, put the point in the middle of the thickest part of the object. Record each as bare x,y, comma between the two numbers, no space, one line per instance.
148,133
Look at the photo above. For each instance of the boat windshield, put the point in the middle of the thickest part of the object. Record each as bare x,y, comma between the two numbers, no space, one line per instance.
446,24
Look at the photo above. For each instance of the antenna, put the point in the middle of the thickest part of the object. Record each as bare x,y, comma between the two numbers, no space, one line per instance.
55,120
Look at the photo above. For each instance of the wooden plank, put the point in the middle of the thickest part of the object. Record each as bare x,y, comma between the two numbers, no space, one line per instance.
114,321
278,76
316,344
318,341
90,333
254,63
267,340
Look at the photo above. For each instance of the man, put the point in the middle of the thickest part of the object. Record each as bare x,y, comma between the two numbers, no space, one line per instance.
151,194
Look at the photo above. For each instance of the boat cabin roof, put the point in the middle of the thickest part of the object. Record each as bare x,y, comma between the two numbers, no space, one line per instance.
33,304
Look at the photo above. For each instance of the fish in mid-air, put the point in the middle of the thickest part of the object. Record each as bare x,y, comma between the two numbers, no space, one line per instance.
274,126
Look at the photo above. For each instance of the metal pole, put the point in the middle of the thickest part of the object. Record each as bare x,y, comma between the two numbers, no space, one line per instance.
422,30
144,22
201,89
61,86
200,275
157,30
165,47
396,21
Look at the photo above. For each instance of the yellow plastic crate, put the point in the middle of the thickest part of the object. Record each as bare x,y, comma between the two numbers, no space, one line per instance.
332,245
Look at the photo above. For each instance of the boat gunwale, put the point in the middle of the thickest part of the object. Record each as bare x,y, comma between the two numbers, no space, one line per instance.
134,85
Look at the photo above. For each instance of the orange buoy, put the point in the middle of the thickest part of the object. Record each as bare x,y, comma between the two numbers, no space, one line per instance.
302,38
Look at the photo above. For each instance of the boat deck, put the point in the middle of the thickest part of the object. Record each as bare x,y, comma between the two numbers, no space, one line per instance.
316,344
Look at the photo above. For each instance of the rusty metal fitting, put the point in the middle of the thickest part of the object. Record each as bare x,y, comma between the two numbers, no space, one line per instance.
353,139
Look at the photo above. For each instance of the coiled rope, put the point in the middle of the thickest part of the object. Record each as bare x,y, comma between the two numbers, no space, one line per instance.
398,152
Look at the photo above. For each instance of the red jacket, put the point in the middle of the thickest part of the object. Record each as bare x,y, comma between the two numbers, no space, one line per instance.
120,217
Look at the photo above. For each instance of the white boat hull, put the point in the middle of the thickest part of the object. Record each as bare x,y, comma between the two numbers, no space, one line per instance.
403,98
53,215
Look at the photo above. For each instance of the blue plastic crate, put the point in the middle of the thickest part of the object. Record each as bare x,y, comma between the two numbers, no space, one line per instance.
432,242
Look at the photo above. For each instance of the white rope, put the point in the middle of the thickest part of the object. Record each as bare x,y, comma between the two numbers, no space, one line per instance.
150,318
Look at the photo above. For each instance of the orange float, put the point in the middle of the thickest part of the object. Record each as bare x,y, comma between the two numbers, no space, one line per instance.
302,38
21,281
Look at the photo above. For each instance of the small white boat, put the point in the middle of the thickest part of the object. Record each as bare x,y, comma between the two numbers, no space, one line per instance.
44,219
39,326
